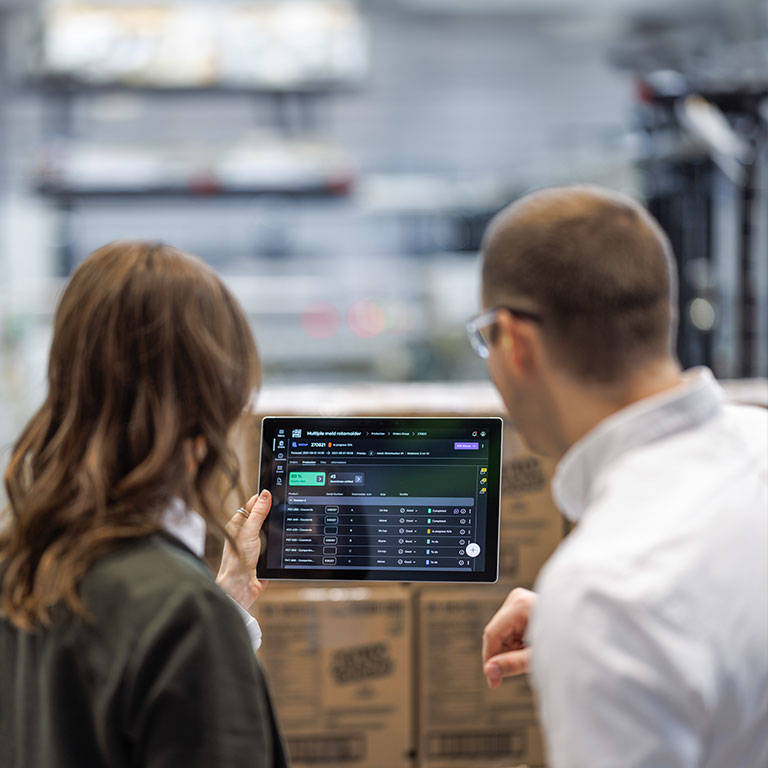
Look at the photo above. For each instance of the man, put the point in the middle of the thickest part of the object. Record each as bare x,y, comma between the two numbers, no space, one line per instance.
647,636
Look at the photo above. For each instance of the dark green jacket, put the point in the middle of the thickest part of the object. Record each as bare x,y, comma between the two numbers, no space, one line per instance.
163,677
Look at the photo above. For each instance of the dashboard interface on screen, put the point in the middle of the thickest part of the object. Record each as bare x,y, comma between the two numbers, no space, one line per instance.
403,499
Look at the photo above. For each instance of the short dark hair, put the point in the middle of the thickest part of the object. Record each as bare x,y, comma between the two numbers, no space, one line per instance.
598,268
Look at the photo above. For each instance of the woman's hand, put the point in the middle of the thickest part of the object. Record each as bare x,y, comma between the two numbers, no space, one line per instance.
237,575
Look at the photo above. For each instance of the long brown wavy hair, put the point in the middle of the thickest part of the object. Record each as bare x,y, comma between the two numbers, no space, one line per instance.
150,353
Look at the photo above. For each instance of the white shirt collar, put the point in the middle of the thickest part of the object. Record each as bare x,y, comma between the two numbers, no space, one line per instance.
190,528
698,399
186,525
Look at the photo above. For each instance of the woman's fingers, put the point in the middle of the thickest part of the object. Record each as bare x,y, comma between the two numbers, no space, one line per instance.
257,508
237,520
237,572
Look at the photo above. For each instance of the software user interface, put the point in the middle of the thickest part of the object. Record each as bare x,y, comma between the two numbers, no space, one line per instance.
379,494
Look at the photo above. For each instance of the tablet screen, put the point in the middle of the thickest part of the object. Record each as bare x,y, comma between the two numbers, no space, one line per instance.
386,499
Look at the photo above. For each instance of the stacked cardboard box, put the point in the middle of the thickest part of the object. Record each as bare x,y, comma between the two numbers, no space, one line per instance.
325,645
461,721
531,524
340,665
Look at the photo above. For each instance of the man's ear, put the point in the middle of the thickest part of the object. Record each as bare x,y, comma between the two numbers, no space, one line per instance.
520,342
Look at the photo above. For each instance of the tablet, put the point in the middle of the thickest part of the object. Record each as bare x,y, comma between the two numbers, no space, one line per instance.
382,498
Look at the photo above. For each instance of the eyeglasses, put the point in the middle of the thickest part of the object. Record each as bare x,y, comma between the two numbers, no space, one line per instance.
476,325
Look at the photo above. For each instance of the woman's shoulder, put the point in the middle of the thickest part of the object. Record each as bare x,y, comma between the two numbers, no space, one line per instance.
143,579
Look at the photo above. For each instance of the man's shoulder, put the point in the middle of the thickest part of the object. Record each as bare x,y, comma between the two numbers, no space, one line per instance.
681,483
736,436
749,413
608,596
580,569
611,560
750,424
577,564
677,525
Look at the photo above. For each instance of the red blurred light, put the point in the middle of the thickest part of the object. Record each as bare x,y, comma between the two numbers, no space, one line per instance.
643,91
366,319
320,320
340,185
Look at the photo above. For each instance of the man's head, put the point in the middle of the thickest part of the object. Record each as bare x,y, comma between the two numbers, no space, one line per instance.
596,271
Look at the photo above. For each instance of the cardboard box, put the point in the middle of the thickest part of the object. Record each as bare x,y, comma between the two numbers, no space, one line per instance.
462,723
531,524
330,718
339,664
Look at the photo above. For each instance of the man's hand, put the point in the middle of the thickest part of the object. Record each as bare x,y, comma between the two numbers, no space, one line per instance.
504,650
237,575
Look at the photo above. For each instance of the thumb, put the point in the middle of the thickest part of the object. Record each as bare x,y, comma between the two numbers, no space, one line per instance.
258,508
506,665
259,503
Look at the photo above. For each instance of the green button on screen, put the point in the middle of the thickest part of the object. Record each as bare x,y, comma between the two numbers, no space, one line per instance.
306,478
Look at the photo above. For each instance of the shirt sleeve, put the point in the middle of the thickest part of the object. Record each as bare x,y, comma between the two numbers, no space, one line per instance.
615,680
194,694
251,626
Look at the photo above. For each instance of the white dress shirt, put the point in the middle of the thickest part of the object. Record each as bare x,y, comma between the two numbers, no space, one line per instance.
189,528
650,636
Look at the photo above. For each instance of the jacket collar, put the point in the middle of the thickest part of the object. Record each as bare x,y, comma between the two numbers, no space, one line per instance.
698,399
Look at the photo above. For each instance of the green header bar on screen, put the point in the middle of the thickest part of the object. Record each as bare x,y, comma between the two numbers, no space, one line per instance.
306,478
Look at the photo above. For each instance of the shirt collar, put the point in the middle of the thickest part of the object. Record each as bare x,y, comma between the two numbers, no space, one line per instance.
189,528
698,399
186,525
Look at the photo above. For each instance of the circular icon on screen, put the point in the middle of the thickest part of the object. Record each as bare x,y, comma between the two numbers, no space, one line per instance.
473,550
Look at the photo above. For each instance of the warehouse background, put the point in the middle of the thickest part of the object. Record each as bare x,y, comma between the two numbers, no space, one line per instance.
344,204
337,162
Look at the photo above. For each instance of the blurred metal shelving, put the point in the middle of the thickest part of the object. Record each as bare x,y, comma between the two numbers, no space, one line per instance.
704,166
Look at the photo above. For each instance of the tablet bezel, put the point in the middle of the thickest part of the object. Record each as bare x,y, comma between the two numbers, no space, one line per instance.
489,575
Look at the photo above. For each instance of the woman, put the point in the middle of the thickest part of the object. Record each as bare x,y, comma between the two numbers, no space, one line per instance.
117,648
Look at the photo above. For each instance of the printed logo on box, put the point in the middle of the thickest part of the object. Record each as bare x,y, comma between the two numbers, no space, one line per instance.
523,476
363,662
